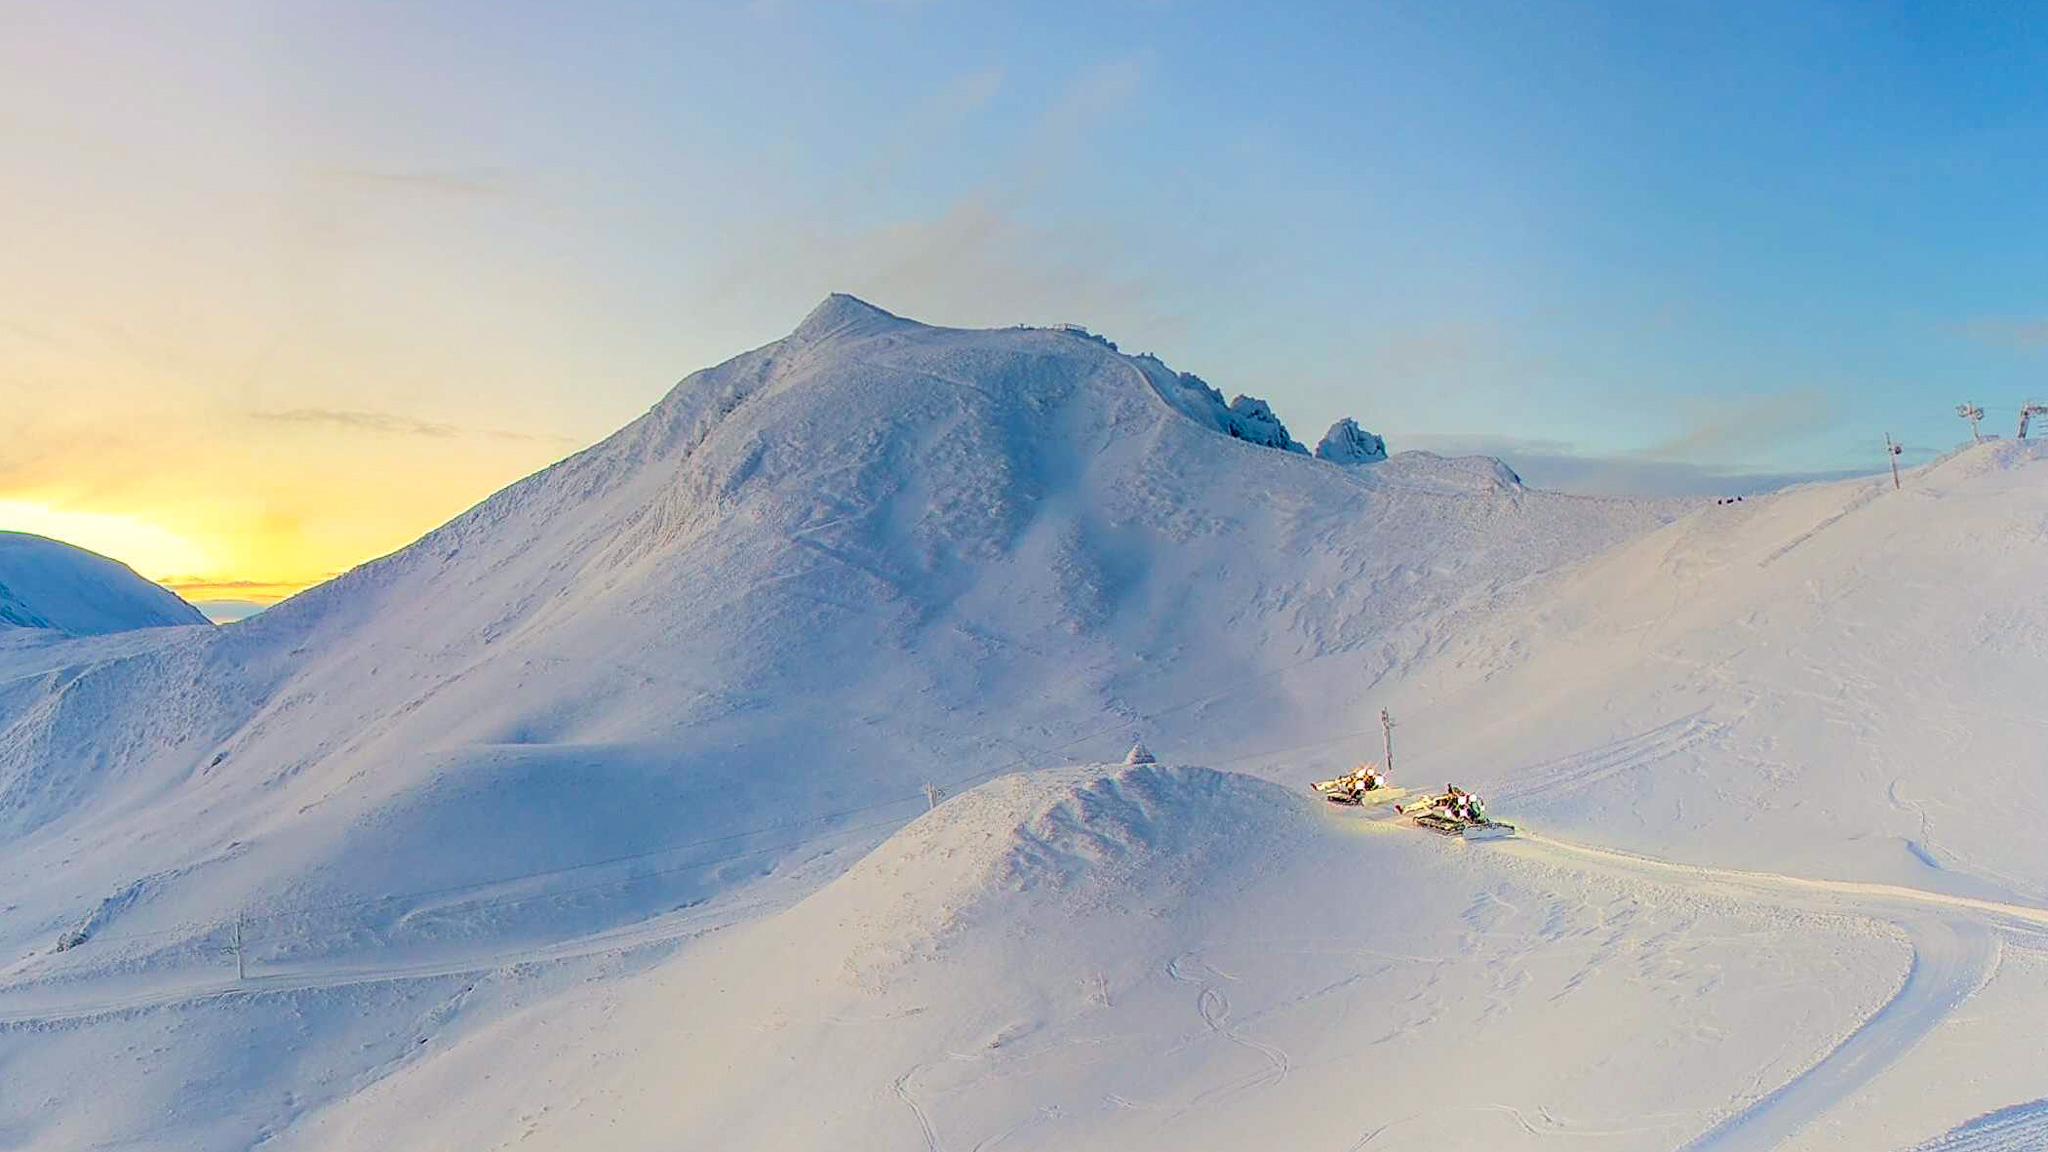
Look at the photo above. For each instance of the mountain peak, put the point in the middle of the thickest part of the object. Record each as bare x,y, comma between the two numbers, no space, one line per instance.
1347,443
840,314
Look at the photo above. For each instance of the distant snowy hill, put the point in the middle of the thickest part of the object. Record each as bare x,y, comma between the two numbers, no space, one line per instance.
49,584
598,816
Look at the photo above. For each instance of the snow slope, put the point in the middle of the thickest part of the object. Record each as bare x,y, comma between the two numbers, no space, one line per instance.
1839,679
1157,957
612,774
49,584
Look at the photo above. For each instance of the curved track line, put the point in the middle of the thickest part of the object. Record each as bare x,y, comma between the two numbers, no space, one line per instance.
1954,954
1951,960
900,1087
661,930
1855,889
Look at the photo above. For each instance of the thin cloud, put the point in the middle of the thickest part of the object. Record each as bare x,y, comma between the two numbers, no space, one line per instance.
428,182
229,611
393,424
195,584
2006,332
1732,429
1560,466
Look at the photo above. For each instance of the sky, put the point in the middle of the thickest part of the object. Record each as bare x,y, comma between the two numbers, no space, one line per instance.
284,285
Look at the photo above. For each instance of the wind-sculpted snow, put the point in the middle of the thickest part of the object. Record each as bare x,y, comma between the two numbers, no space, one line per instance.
1347,443
49,584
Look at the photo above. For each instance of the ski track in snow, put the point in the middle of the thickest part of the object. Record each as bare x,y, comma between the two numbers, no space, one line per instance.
653,933
1951,960
1213,1006
1954,955
900,1087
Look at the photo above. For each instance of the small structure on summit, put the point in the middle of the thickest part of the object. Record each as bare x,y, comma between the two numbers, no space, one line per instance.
1347,443
1138,755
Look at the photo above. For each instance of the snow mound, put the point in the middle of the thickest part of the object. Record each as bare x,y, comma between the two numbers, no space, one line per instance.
47,583
1128,837
1347,443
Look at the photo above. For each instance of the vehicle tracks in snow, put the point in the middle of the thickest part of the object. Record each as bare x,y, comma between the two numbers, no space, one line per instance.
660,931
1956,946
900,1088
1951,960
1584,769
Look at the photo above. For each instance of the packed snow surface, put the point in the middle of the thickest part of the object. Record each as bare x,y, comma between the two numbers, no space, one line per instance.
48,584
598,817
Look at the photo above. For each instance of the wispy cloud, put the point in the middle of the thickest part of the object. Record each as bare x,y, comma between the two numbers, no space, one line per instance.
1561,466
229,611
393,424
199,585
1736,428
2007,332
426,182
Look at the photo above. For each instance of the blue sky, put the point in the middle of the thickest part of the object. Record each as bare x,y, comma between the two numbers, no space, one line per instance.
1632,243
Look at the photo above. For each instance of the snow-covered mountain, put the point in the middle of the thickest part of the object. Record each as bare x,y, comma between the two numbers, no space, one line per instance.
872,554
49,584
582,820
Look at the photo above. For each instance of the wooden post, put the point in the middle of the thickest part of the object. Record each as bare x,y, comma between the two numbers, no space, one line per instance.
1387,736
1891,452
931,796
241,965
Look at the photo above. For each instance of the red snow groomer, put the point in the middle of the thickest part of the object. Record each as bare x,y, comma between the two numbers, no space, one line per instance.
1456,812
1365,784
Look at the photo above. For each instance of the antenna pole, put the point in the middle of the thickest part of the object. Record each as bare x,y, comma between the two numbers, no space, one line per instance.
241,965
1972,413
2029,409
1387,735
